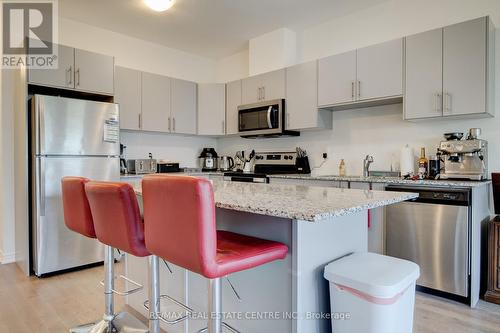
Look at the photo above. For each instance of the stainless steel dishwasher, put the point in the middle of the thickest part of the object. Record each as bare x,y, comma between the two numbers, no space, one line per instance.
434,232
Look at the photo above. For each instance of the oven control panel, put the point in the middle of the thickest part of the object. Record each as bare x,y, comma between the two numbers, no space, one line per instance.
272,158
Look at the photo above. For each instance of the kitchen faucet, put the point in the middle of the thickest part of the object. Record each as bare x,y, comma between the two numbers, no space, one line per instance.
366,165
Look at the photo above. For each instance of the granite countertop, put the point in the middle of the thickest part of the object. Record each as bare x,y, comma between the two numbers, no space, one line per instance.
300,202
383,180
388,180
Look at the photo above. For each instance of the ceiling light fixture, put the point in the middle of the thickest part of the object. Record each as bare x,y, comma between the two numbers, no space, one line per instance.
159,5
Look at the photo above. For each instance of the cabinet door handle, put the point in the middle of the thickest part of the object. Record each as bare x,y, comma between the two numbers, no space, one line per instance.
263,92
447,103
140,120
440,102
352,90
437,102
169,124
258,94
77,77
173,124
359,89
223,127
70,72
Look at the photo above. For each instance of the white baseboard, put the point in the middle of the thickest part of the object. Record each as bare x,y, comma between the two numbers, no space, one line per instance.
7,258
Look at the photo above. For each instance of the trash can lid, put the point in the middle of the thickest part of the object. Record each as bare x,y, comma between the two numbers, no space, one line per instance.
373,274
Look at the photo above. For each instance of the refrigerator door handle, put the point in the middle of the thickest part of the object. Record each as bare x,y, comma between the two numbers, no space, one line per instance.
41,127
41,186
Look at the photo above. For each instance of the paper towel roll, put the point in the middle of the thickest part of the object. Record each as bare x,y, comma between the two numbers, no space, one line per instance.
407,161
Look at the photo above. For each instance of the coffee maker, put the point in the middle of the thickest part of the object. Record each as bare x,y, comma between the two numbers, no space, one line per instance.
123,162
465,159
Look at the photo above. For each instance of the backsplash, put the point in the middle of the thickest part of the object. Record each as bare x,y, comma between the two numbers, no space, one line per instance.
178,148
377,131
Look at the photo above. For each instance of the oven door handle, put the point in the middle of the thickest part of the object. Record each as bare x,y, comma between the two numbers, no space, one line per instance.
269,117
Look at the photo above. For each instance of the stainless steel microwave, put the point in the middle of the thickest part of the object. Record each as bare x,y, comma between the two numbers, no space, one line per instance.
263,119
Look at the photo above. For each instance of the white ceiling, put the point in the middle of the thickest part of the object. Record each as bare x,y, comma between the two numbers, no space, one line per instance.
210,28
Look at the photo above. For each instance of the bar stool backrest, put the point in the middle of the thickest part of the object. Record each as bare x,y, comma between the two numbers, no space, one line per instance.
179,215
77,214
117,218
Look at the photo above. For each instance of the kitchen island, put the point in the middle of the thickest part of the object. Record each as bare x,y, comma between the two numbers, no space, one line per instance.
318,224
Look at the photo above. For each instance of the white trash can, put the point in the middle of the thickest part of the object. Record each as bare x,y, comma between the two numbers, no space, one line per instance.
372,293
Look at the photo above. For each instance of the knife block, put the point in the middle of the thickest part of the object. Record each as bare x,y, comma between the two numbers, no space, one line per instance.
302,165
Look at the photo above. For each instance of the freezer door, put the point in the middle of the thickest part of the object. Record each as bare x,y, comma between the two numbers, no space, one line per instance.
66,126
434,236
55,247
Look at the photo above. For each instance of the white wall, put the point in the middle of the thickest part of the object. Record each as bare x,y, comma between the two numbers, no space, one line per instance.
128,52
137,54
7,244
381,131
273,50
233,67
389,20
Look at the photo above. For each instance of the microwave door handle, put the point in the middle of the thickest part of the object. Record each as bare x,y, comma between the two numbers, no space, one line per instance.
269,117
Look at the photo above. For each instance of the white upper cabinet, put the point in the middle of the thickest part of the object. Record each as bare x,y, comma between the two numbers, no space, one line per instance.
251,90
62,77
128,96
301,99
183,112
337,79
464,67
80,70
233,100
424,75
273,84
380,70
155,103
449,71
94,72
263,87
211,109
371,73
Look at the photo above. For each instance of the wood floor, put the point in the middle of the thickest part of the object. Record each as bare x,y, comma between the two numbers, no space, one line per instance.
55,304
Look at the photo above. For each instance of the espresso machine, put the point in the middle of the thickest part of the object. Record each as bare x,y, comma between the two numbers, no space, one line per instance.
465,159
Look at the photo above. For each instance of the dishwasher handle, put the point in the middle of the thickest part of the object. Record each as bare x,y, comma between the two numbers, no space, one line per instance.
435,195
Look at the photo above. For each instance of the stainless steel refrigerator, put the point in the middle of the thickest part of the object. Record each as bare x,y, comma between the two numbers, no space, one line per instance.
69,137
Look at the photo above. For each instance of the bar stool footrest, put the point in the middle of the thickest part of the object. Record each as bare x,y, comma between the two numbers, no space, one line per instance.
138,287
186,308
224,325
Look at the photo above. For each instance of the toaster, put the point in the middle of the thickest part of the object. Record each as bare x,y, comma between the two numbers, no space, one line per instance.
141,166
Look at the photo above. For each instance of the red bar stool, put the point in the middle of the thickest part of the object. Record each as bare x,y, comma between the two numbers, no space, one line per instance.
180,227
78,218
118,224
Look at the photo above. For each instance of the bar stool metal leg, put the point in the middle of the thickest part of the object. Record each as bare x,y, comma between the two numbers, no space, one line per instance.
154,294
215,314
109,284
214,306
